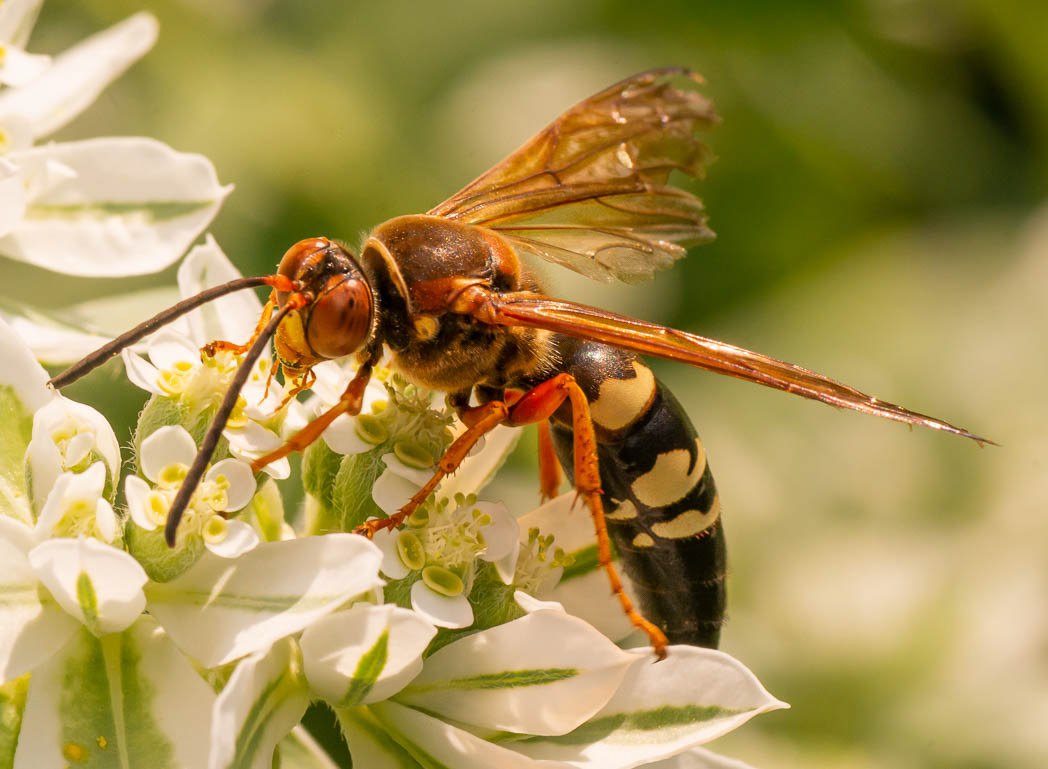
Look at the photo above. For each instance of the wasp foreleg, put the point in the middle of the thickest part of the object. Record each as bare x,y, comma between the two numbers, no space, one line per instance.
211,348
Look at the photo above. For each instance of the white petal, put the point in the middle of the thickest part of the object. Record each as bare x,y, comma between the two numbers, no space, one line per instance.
133,206
444,744
392,566
17,533
54,507
583,589
332,378
105,521
441,610
341,436
477,469
18,67
32,626
259,705
21,371
78,76
530,603
364,654
556,672
97,584
502,535
253,441
662,709
370,745
167,348
506,566
52,340
168,445
83,489
12,196
391,491
92,432
231,317
241,480
141,372
16,20
221,609
240,538
79,447
417,476
136,492
699,758
132,695
300,751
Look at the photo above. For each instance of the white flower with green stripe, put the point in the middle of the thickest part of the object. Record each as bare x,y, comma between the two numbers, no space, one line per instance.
103,207
549,690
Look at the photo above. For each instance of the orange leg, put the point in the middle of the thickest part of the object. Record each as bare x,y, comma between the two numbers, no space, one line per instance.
549,467
349,403
481,420
537,405
211,348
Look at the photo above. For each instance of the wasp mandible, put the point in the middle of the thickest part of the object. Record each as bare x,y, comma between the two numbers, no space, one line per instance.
448,294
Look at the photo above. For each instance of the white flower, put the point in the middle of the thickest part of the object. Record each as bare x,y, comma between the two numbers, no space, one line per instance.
226,488
75,507
582,587
174,368
549,690
348,434
67,436
364,654
99,207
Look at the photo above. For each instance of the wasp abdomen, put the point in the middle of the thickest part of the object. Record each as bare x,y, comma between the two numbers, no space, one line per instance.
660,500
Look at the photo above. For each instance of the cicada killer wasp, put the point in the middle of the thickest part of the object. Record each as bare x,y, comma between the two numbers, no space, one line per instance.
448,294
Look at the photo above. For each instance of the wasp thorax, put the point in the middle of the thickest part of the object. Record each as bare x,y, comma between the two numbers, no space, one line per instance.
338,320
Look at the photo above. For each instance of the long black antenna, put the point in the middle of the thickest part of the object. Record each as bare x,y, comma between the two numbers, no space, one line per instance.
218,423
105,352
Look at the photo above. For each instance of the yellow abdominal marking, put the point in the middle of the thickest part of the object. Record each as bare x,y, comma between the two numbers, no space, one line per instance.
624,512
621,401
643,540
669,480
688,523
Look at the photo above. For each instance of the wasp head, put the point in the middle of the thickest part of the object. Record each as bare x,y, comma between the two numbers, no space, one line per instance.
338,321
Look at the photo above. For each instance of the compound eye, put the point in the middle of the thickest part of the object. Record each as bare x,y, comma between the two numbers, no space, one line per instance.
340,320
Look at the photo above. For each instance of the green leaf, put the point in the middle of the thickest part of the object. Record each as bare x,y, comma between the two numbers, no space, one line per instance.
352,489
319,467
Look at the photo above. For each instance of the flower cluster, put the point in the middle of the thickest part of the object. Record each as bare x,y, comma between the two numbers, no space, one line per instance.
467,637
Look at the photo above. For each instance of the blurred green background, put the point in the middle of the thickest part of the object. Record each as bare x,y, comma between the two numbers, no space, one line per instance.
878,204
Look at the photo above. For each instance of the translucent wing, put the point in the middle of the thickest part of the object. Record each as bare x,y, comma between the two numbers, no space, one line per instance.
652,339
589,192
